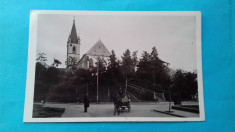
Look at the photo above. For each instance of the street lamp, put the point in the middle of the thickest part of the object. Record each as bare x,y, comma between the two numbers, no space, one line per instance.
97,79
170,98
127,83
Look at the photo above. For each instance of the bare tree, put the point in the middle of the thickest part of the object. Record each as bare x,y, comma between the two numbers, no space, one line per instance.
42,58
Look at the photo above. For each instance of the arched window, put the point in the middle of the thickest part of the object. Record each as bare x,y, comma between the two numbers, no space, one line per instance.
74,50
87,62
90,63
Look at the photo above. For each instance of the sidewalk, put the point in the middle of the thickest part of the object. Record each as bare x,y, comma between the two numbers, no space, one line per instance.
138,109
106,110
163,107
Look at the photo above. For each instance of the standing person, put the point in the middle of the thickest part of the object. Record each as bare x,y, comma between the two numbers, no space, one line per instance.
42,103
86,103
117,103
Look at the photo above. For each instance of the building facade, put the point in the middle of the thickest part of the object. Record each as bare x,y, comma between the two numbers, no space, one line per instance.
90,58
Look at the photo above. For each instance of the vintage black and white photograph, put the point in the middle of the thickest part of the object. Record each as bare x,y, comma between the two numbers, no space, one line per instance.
96,66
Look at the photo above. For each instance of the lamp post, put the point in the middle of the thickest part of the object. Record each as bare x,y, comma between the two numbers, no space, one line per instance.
126,85
87,85
154,80
97,79
170,98
154,77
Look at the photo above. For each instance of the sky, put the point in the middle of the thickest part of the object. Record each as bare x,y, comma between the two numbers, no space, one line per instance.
173,36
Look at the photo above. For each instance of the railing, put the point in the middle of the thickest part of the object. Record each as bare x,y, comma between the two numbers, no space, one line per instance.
143,93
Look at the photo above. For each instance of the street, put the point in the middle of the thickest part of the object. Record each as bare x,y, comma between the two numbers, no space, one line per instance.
138,109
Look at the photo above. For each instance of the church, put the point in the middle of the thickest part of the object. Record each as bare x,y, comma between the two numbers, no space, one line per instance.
89,59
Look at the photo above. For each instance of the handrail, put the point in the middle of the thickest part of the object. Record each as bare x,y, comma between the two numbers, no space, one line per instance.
132,95
143,88
137,89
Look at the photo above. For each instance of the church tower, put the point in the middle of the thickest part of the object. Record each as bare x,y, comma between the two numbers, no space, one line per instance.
73,46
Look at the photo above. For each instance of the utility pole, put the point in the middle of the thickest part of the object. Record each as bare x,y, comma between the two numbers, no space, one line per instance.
97,90
126,85
170,98
87,87
154,80
108,91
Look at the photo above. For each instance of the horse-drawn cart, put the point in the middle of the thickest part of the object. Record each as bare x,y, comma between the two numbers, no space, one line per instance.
121,104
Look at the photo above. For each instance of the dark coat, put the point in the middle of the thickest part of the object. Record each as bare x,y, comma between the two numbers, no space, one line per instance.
117,100
86,101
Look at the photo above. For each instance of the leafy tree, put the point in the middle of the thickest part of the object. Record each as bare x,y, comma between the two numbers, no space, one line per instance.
113,75
184,84
40,86
52,75
82,76
112,60
178,83
62,92
40,90
155,63
56,63
101,64
127,63
40,72
152,72
134,60
143,66
159,68
191,86
113,70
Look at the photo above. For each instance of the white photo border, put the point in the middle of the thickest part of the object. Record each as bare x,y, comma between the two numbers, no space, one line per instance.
28,108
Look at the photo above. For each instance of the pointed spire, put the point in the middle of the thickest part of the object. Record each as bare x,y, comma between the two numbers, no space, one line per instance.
73,35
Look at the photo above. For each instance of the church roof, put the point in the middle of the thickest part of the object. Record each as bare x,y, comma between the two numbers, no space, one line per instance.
73,36
99,49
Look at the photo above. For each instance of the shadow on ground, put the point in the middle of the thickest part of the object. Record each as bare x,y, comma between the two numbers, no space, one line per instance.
42,112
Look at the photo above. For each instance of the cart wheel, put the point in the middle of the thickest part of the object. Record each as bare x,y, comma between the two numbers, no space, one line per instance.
115,110
129,109
123,109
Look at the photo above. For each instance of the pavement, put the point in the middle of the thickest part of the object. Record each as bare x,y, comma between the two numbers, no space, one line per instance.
164,108
138,109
